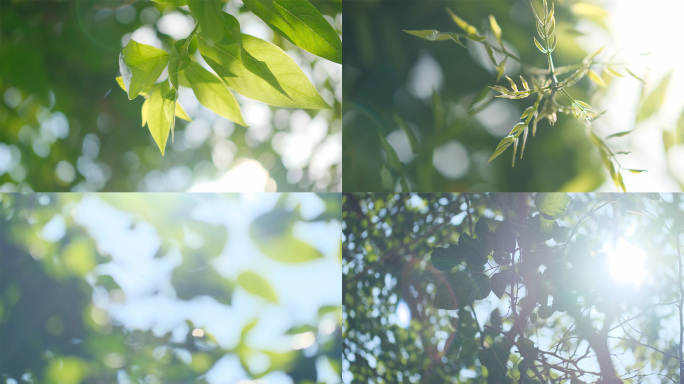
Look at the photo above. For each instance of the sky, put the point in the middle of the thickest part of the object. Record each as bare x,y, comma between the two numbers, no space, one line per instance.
131,245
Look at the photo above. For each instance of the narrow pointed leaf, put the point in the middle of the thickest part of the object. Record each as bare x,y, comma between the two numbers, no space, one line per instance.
180,113
618,134
539,46
434,35
253,283
503,144
467,28
140,66
413,140
593,76
496,30
651,103
213,93
392,157
302,24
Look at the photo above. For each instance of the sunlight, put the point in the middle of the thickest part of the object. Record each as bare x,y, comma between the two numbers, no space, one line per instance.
626,262
403,314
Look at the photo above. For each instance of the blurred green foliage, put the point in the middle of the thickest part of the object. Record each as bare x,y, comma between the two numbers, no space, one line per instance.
68,127
510,287
68,295
383,98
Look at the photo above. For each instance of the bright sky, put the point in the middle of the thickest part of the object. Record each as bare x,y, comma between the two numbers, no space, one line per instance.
301,288
639,27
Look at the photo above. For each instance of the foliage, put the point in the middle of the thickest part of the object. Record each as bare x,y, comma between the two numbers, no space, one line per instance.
67,127
167,290
505,288
247,64
546,84
504,47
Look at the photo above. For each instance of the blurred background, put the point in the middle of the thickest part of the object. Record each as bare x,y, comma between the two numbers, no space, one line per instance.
67,126
170,288
437,89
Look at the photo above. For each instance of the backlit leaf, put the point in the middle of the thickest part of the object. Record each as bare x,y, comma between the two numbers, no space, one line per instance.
208,14
213,93
140,66
496,30
593,76
413,140
434,35
253,283
155,116
266,73
652,103
302,24
552,205
467,28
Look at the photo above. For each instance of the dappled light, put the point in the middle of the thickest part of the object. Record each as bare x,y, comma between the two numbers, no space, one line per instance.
167,288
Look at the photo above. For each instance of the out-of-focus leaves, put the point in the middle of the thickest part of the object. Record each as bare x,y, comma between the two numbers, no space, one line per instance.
650,103
253,283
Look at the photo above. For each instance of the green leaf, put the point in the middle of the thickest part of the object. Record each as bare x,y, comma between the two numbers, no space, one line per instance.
180,113
545,312
503,144
552,205
392,157
434,35
296,330
634,76
500,281
253,283
652,103
140,66
154,113
539,46
593,76
208,14
496,30
619,134
179,59
302,24
467,28
213,93
261,71
413,140
637,170
445,258
177,3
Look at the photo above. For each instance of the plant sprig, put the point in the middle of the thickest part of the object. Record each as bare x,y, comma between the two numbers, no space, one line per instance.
546,83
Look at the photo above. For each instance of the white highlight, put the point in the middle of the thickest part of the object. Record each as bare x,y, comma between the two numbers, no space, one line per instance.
403,314
626,262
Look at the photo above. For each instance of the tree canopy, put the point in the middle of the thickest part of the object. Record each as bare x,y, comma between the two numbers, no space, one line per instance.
512,288
169,288
255,86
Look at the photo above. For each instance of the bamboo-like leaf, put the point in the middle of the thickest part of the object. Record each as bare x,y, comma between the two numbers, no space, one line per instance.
619,134
503,144
524,83
392,158
596,78
467,28
517,129
528,111
413,140
651,103
613,72
539,46
434,35
574,78
490,52
637,170
500,69
634,76
513,86
496,30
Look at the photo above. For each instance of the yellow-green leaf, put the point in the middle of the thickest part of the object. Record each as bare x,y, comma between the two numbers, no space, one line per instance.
208,14
496,30
651,104
302,24
154,114
253,283
180,113
596,78
213,93
140,66
261,71
434,35
467,28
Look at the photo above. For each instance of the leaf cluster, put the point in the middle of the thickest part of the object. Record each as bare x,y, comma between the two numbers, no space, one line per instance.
242,63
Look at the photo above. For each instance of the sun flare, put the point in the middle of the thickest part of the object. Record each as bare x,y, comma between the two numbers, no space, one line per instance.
626,262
